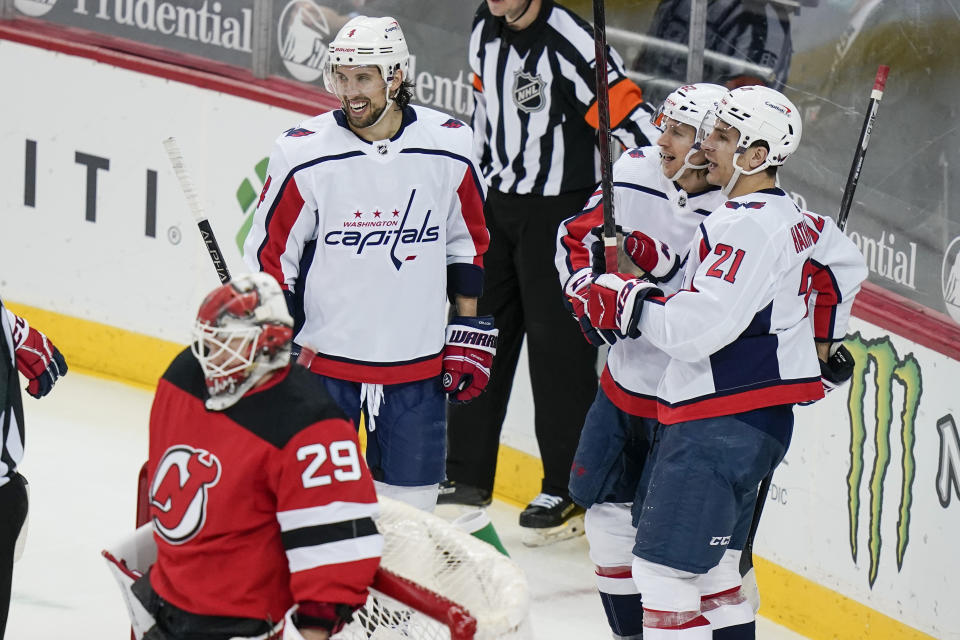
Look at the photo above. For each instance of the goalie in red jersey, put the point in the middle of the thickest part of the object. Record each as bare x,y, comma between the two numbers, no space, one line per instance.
260,502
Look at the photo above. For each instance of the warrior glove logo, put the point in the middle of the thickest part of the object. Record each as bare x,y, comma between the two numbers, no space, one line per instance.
178,493
528,92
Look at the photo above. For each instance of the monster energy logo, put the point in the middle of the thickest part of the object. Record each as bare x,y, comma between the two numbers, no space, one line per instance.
881,357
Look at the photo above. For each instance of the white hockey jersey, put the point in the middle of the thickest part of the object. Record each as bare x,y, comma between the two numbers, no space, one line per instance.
835,271
645,200
368,234
737,331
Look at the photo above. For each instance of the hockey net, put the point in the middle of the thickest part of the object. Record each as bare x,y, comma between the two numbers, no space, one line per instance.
436,582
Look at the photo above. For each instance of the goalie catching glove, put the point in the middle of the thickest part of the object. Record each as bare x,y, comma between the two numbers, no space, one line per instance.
471,345
614,301
37,359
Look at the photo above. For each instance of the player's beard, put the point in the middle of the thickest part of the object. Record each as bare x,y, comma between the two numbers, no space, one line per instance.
367,119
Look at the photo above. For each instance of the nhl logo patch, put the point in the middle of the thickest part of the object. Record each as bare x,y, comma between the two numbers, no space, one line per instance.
528,92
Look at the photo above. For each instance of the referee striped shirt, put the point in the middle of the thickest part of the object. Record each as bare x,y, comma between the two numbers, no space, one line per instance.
11,407
535,116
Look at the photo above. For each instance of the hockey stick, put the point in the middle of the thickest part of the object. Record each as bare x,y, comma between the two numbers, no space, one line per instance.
879,83
193,203
603,129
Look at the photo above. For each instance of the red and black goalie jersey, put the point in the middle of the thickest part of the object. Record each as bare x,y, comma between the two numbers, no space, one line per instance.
259,506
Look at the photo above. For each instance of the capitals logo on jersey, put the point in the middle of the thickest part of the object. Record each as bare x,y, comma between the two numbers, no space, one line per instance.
298,132
391,231
178,492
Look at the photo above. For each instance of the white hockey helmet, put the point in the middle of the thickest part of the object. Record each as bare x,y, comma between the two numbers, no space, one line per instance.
242,332
688,105
370,41
760,114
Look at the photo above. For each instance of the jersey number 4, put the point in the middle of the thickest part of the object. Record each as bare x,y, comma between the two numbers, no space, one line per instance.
343,455
717,269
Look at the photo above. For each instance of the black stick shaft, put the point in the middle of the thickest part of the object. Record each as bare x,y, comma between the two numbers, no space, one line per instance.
603,130
876,95
210,240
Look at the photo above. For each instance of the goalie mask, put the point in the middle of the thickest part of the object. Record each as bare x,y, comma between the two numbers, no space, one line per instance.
759,114
242,332
366,41
688,105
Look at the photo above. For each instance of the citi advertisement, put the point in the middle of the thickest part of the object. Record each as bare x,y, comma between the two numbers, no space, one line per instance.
95,223
866,501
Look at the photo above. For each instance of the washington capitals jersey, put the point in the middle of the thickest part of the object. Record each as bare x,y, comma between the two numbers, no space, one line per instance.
535,115
645,200
834,274
367,234
259,506
737,331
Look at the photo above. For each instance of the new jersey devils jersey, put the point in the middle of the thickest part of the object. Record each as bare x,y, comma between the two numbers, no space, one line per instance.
737,331
645,200
259,506
368,233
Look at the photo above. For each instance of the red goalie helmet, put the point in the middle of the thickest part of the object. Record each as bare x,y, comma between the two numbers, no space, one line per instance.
242,333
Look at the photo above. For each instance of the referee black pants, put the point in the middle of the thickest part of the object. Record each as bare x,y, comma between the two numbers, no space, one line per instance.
522,292
13,507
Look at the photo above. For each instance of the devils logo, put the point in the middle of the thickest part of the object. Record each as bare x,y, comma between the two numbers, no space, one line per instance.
178,493
528,92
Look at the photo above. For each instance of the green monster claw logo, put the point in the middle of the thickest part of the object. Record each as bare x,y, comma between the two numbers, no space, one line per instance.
880,356
247,199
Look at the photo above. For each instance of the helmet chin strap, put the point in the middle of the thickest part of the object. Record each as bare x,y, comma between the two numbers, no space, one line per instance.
687,164
739,171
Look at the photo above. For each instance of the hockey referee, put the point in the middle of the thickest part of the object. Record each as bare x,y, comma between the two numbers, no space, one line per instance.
534,124
23,349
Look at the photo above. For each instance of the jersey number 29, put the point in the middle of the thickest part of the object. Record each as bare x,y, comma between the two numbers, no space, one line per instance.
343,454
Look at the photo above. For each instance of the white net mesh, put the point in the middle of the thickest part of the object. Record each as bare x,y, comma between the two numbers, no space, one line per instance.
437,556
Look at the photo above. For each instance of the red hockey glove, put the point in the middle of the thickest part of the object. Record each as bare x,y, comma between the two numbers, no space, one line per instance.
37,359
471,345
614,301
575,295
651,255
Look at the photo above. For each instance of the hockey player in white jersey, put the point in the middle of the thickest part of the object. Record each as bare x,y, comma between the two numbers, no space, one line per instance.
371,215
741,354
663,190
